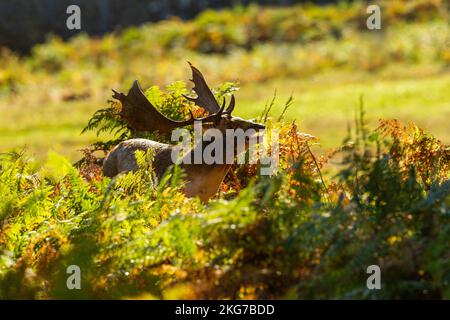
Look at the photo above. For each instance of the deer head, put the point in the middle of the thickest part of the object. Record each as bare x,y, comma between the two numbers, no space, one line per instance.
203,179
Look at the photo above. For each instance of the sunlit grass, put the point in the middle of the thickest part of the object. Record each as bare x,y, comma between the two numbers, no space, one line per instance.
325,105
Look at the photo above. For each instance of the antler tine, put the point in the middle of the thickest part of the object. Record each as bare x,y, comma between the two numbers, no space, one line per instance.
223,106
231,105
189,98
117,95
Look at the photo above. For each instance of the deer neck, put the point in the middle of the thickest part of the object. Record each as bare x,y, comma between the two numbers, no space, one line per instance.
204,179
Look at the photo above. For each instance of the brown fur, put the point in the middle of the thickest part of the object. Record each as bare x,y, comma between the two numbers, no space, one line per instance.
202,180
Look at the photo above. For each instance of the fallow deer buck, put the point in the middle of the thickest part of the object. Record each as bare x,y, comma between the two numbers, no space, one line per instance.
202,180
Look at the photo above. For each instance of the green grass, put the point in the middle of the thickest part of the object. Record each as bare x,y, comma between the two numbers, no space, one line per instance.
324,105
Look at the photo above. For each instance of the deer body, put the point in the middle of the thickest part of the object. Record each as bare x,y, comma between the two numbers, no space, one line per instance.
203,180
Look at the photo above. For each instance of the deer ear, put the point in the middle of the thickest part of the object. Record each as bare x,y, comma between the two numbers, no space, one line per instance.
205,98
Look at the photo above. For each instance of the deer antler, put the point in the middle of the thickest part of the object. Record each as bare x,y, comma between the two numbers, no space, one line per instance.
230,106
141,115
205,98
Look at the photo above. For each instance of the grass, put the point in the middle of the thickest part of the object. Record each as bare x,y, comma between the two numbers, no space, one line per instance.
323,106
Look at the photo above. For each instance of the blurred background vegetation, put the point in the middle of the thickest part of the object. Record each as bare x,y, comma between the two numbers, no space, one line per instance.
323,55
40,17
